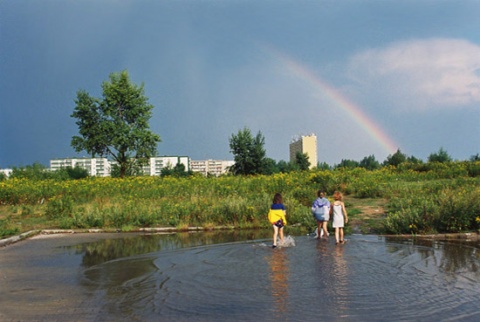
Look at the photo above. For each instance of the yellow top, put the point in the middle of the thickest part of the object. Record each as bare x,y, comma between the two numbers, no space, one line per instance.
275,215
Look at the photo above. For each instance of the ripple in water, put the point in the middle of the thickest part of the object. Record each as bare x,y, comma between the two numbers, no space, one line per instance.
369,278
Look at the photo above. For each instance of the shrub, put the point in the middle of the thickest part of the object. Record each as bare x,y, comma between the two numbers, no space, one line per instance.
6,228
59,207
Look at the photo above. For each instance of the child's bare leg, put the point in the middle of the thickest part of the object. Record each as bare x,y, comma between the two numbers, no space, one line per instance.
341,234
337,234
281,235
325,231
275,234
319,229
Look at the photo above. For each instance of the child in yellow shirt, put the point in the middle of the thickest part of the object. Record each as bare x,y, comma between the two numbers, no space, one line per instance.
276,216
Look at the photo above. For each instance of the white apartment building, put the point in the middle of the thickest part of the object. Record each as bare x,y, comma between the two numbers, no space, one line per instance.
102,166
95,166
6,172
156,164
212,167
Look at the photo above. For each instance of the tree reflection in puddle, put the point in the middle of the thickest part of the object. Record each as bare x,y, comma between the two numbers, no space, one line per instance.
127,245
453,255
233,275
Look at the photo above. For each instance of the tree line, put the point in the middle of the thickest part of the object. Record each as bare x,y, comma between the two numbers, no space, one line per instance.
250,158
116,126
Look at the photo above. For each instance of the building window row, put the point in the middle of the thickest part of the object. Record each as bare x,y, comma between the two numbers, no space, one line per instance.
102,167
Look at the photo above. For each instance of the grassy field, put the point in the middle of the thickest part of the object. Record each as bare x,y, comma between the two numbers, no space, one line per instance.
406,200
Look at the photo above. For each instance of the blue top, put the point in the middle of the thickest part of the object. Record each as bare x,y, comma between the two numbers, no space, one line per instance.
277,206
320,202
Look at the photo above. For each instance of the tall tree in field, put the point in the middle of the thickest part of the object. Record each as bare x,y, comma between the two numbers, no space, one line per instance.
115,126
441,156
249,152
346,163
395,159
369,163
301,160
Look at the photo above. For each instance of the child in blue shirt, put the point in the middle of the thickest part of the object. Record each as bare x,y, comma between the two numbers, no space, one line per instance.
321,213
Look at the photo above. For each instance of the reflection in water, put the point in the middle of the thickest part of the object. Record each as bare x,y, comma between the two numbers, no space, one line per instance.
278,262
132,245
340,280
331,281
232,276
450,256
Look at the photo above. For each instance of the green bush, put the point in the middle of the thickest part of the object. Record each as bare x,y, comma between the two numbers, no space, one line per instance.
59,207
446,207
6,228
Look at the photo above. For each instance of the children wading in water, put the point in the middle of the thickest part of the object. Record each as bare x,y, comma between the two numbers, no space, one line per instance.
276,216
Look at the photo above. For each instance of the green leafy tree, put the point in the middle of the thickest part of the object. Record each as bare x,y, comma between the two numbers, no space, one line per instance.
177,171
286,167
248,152
270,166
323,166
36,171
413,160
441,156
369,163
395,159
69,173
76,172
301,159
345,163
134,167
116,126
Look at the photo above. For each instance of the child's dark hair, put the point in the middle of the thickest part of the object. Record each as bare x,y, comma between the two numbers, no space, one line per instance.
277,198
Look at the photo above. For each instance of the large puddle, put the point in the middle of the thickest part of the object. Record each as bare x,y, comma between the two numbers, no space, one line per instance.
236,276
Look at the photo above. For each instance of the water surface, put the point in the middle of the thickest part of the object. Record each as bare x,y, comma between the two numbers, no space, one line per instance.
236,276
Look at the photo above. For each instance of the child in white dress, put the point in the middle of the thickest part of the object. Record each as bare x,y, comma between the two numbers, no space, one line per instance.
340,217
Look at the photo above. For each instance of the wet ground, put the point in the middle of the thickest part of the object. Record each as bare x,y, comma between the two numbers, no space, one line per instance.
237,276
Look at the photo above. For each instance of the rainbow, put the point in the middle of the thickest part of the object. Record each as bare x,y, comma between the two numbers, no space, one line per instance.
351,109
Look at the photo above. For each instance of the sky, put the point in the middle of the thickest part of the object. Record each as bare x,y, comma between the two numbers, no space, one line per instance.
367,77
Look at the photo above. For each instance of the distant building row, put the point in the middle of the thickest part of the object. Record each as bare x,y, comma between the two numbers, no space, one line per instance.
102,167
